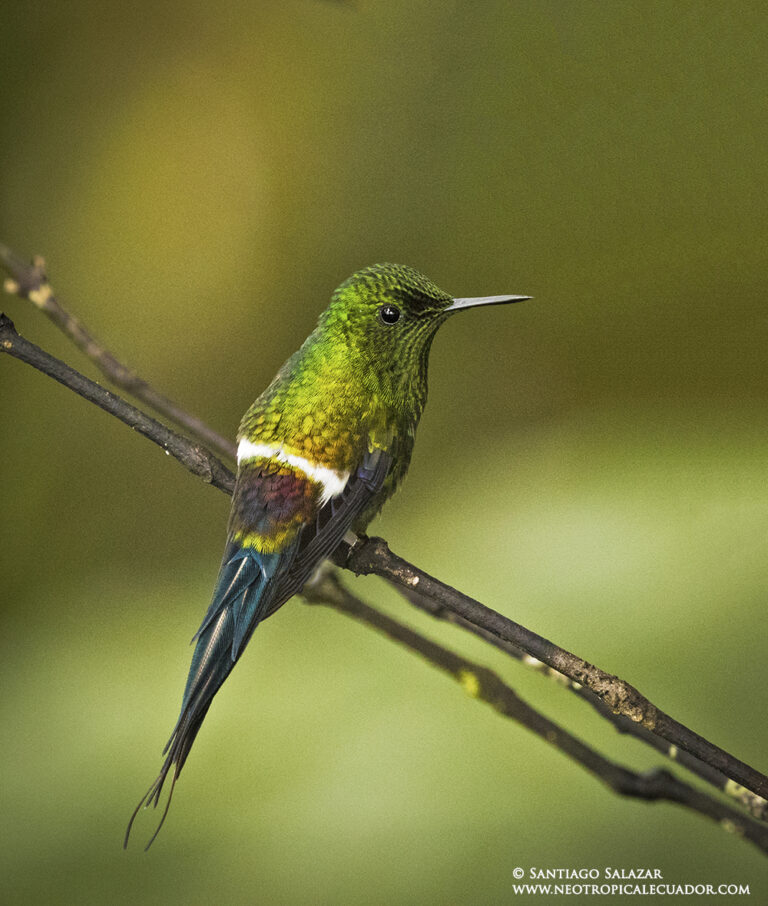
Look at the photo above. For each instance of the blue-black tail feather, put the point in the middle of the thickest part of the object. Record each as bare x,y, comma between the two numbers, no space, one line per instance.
242,598
251,586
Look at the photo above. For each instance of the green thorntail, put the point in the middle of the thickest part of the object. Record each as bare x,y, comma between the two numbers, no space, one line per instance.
319,452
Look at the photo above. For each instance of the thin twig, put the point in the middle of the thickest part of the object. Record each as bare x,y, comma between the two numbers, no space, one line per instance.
484,685
755,804
29,281
192,456
373,556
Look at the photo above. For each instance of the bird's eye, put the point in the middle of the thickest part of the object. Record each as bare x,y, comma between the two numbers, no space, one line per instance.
389,314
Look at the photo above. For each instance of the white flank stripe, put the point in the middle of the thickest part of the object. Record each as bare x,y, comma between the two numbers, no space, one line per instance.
333,482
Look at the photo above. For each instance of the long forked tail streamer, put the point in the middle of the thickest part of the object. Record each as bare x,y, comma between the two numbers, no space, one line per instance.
152,793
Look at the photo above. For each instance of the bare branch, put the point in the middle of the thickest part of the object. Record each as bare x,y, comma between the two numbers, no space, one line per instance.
373,556
29,281
624,725
192,456
484,685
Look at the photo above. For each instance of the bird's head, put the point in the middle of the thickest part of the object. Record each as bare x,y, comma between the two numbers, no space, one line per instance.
393,309
386,317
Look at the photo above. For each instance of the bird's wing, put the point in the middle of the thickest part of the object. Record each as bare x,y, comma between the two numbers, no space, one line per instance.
271,503
319,539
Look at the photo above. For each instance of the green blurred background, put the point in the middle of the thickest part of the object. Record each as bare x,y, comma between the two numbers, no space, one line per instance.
200,177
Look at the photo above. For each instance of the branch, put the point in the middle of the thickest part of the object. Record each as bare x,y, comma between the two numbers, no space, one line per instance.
29,281
618,701
192,456
373,556
621,723
484,685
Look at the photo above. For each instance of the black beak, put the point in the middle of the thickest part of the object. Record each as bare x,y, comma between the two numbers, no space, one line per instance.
458,304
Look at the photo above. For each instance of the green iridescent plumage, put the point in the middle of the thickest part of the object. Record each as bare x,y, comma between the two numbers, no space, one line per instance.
356,383
319,453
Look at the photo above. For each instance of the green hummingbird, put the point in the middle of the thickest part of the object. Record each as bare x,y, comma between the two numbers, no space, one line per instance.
319,452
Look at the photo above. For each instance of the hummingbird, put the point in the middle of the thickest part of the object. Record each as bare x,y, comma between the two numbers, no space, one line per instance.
318,454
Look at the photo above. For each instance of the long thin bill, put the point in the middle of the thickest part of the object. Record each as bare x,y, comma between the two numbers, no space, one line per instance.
458,304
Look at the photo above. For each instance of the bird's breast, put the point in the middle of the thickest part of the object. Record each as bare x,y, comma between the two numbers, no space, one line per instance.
330,479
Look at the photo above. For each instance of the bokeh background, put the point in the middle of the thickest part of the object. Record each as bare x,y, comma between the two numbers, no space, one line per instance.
200,177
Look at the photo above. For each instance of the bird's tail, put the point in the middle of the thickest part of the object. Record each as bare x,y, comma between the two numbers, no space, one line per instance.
239,604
